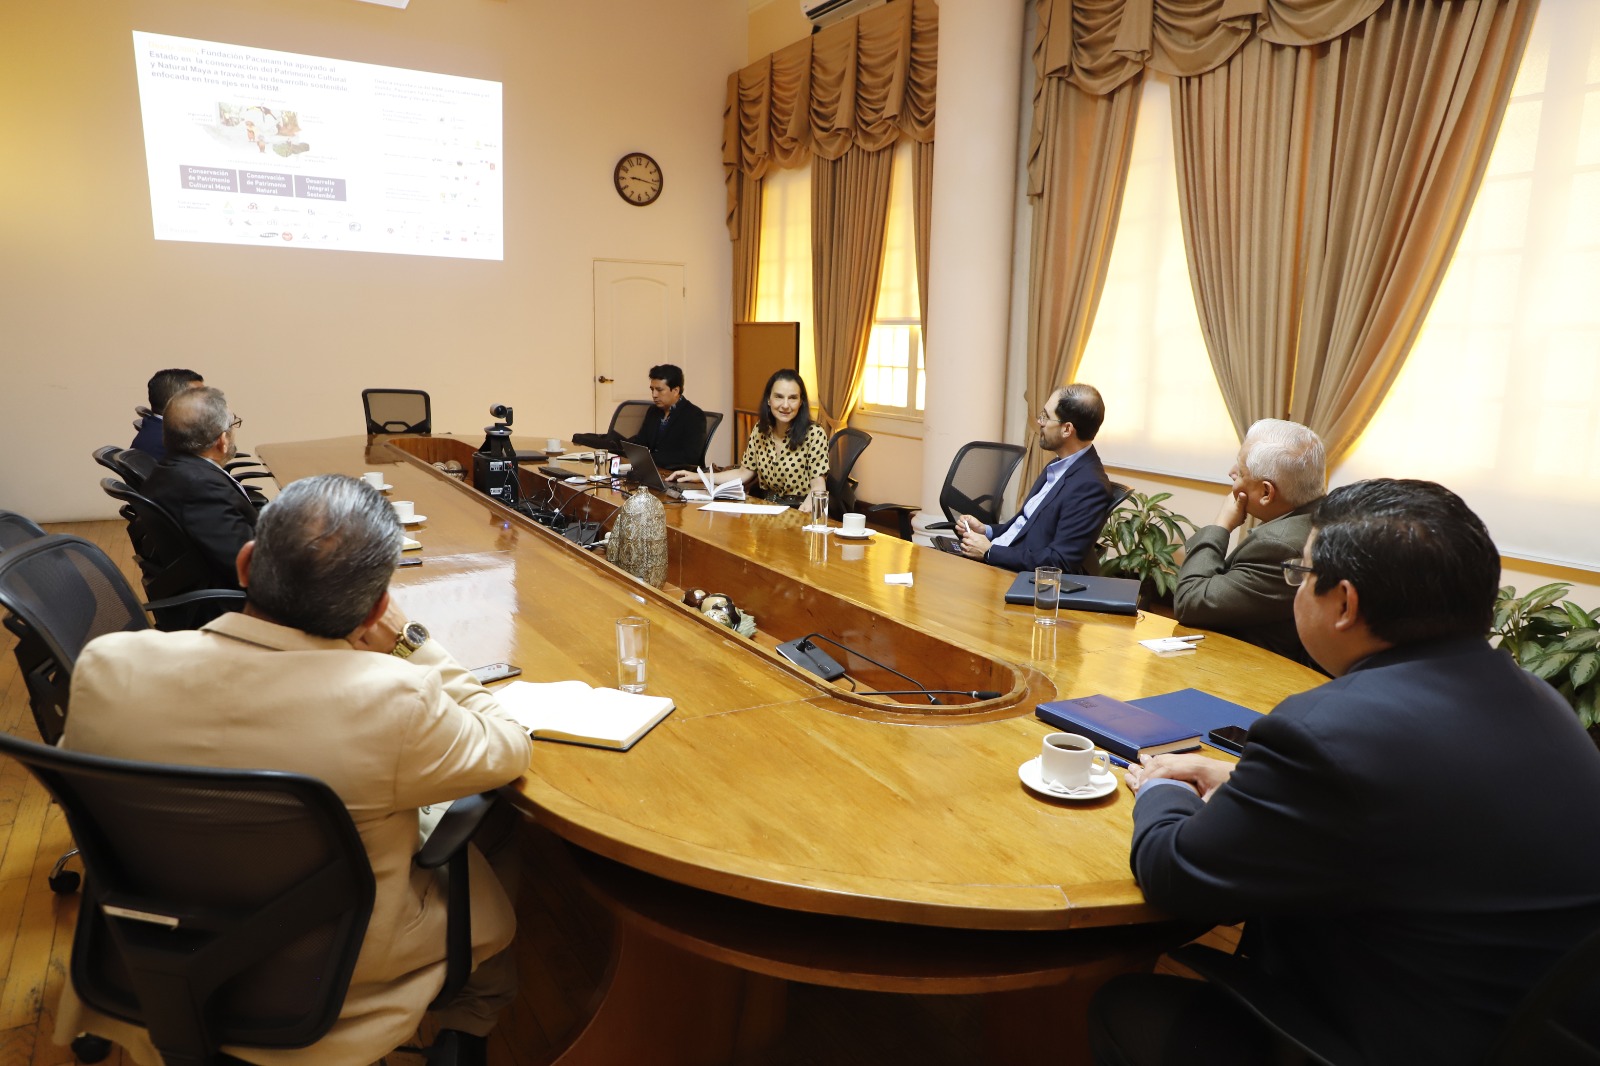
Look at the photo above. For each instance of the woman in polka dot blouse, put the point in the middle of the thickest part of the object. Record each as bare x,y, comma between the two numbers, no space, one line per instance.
787,454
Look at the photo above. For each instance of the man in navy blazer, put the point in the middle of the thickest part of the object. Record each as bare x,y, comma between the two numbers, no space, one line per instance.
1412,843
1067,506
159,390
192,486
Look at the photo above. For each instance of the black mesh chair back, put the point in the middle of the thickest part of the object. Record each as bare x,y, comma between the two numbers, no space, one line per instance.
844,448
397,411
976,483
169,563
713,420
17,529
136,466
61,593
220,906
1119,492
628,418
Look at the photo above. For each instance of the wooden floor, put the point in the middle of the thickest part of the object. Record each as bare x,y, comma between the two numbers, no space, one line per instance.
562,942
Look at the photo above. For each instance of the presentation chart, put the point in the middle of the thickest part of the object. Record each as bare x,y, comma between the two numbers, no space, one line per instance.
256,147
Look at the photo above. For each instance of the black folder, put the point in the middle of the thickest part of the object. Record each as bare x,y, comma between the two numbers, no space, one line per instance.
1110,595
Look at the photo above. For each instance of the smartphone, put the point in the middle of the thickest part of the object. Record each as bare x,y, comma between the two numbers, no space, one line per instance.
1229,738
948,544
410,560
495,672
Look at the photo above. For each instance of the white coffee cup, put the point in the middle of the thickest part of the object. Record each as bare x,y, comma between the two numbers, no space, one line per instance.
405,510
373,478
1068,759
855,524
552,444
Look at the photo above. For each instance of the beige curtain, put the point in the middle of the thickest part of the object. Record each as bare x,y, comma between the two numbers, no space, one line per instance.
1407,162
922,222
1319,230
839,100
849,209
1077,169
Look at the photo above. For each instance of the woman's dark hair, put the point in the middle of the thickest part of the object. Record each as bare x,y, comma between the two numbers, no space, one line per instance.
802,418
1422,562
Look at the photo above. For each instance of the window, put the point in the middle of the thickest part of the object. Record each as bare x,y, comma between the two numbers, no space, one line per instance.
893,382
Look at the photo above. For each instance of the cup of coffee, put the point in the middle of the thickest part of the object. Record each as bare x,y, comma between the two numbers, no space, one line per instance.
855,524
405,510
552,444
373,478
1068,759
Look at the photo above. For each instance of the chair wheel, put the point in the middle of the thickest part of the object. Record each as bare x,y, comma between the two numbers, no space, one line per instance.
64,884
88,1047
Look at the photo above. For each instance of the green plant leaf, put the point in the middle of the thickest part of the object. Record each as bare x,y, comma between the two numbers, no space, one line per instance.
1589,638
1584,668
1575,614
1551,665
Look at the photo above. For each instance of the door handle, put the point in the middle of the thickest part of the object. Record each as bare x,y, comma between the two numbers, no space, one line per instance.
602,379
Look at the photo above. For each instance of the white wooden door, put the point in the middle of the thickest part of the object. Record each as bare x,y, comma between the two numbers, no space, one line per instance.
638,322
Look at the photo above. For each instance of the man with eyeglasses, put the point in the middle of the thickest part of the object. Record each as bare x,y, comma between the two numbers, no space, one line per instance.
1066,507
1278,477
1412,842
192,486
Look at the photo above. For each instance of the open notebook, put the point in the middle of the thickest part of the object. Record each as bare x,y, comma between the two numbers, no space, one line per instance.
573,712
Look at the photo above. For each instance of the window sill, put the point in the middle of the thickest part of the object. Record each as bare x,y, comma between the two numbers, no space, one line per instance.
887,424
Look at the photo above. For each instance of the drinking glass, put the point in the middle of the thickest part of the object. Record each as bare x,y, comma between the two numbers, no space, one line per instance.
633,652
1046,595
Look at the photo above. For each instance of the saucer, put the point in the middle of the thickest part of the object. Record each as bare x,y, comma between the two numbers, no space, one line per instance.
413,520
383,488
1100,784
409,545
863,535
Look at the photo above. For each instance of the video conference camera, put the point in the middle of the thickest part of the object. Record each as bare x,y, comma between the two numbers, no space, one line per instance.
502,412
494,466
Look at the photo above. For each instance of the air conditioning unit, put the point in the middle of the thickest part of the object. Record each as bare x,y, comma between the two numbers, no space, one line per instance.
826,12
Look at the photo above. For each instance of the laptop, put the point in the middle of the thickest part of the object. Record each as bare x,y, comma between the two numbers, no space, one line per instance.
643,470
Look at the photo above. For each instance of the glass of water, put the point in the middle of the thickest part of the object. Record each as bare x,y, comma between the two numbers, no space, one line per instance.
1046,595
633,652
819,510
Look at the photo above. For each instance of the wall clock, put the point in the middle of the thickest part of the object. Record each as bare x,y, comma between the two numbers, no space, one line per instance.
638,179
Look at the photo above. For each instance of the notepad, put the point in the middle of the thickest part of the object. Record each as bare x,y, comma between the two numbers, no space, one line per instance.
574,713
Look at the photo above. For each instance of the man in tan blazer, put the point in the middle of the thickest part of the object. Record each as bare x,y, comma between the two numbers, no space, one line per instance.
322,675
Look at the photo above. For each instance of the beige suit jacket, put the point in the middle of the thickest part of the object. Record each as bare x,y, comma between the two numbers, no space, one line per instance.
388,735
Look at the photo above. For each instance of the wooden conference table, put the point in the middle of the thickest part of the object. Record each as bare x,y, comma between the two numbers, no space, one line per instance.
775,826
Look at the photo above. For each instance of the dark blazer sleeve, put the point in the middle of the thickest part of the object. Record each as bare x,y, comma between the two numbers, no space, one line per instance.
1282,836
1063,530
211,508
148,438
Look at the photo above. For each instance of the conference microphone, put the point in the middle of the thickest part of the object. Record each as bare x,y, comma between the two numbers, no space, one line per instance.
807,655
977,694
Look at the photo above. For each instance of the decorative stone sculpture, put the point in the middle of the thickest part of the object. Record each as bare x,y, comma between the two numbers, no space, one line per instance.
638,541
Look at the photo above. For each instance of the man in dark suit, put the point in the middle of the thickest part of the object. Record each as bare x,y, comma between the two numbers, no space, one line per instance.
1412,842
159,390
192,486
674,429
1278,477
1067,506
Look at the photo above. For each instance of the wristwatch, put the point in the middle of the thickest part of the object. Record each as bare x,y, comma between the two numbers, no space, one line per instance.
411,638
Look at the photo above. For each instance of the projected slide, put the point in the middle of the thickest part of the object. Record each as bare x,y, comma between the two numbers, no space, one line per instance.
249,146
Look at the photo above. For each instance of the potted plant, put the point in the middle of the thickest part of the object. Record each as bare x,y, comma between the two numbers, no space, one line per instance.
1140,540
1558,641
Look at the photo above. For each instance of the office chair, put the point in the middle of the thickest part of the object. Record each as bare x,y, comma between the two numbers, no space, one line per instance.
844,448
171,567
1554,1025
975,485
225,906
1119,492
60,592
713,420
628,418
397,411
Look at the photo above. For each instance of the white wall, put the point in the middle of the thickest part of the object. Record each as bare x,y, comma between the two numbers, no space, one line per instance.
90,304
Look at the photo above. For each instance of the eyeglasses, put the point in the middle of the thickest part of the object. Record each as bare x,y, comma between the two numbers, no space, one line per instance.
236,423
1044,419
1295,572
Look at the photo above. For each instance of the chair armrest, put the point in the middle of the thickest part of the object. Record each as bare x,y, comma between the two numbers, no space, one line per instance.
939,525
455,829
239,463
194,597
906,511
1265,998
258,474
